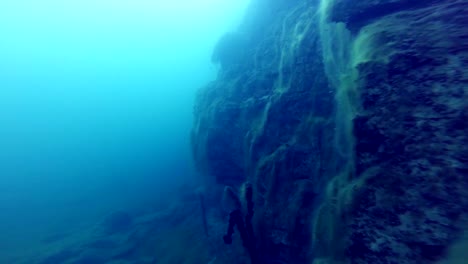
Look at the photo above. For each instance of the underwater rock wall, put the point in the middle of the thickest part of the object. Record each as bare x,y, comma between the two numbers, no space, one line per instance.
349,119
403,84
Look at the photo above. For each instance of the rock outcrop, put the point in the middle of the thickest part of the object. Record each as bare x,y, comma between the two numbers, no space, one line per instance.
349,118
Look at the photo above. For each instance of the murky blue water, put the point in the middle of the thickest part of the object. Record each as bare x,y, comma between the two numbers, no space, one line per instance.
96,102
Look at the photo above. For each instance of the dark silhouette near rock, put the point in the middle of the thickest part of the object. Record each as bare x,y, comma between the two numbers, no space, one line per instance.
245,229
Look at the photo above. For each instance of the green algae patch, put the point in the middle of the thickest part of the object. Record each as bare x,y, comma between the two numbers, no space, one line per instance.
331,222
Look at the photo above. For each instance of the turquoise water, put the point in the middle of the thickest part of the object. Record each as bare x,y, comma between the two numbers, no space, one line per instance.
96,102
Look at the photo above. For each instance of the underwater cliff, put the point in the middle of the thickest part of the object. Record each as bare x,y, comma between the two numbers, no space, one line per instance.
331,132
349,120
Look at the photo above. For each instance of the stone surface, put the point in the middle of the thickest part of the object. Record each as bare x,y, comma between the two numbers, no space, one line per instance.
359,13
350,120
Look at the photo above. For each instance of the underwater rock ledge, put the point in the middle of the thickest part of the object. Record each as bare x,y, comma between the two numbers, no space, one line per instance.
349,118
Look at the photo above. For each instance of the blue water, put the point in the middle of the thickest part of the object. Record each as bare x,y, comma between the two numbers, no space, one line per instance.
96,102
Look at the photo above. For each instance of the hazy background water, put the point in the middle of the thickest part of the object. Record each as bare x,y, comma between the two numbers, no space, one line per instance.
96,104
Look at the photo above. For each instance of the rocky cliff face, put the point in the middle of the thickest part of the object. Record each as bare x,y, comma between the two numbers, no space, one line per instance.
349,118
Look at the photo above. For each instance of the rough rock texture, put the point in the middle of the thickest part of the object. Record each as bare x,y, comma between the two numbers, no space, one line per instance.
359,13
411,131
350,119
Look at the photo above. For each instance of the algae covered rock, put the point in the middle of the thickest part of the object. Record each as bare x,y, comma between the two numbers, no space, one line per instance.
349,119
